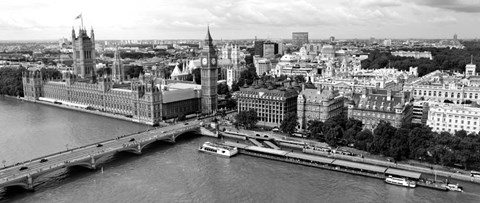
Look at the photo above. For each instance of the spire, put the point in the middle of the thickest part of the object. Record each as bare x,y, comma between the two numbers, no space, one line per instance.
73,33
208,38
91,33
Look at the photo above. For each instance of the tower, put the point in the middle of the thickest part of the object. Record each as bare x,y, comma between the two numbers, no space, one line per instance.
209,76
83,53
118,74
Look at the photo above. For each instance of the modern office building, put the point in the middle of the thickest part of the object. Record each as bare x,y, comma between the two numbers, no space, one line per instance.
299,38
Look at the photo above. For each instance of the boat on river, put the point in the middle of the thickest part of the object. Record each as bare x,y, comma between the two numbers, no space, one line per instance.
400,181
454,187
218,149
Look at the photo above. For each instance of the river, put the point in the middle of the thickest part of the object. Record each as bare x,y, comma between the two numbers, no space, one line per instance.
176,172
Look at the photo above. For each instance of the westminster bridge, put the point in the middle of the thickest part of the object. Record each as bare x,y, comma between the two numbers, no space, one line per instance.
27,174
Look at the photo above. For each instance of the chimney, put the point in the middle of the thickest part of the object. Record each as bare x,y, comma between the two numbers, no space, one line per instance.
389,95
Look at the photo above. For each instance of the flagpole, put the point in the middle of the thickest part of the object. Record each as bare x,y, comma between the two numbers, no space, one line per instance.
81,19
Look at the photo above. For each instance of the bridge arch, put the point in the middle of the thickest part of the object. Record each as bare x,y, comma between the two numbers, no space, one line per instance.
22,185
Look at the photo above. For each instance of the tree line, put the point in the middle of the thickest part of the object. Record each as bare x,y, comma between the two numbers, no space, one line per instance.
11,81
410,141
443,59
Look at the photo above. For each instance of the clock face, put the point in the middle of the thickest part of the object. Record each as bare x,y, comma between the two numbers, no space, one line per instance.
204,61
214,61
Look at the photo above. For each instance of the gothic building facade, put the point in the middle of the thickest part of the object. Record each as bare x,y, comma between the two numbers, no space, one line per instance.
146,100
118,72
84,54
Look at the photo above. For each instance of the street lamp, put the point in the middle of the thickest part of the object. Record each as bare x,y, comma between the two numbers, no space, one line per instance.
66,145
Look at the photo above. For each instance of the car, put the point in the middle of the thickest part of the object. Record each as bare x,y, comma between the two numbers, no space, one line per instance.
23,168
131,140
186,124
43,160
99,145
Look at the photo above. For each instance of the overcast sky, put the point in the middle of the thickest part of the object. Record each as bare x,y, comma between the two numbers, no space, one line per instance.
240,19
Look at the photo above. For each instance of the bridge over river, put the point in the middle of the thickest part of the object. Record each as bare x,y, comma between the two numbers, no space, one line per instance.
90,156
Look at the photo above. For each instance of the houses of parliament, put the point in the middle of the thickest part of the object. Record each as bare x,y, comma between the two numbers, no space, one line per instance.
146,100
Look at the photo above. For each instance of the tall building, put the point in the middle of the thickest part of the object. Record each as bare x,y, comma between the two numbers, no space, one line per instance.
209,76
84,53
387,42
118,73
332,39
299,38
258,48
420,112
270,49
318,104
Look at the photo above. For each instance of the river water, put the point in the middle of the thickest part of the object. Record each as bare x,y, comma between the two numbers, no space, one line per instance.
176,172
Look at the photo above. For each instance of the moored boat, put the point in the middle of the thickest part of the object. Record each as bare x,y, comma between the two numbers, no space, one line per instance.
400,181
454,187
218,149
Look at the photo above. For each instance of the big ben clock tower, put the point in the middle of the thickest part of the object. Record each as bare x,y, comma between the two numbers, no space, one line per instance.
209,76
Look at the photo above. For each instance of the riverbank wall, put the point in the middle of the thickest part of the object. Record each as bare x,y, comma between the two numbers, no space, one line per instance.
96,112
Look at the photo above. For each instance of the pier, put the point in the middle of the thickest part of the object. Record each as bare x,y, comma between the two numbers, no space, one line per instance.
379,172
27,173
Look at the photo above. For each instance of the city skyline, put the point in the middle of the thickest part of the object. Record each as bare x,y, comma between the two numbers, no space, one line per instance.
243,19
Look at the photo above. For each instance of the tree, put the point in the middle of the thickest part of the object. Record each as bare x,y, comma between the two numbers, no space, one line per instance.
364,139
419,140
235,87
231,103
222,88
399,144
50,73
247,118
315,128
181,117
333,135
352,126
134,71
289,123
11,81
104,71
382,136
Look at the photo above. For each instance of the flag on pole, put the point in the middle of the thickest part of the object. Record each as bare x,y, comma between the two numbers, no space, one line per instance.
79,16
